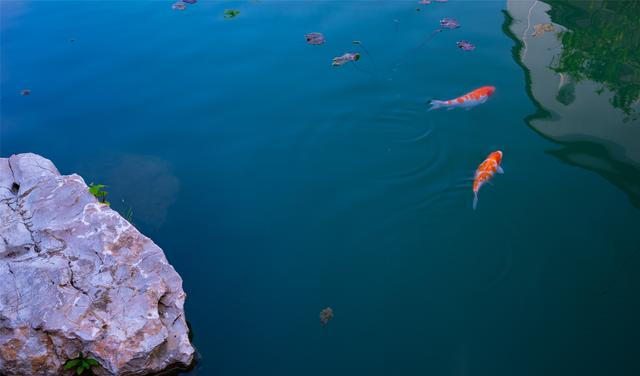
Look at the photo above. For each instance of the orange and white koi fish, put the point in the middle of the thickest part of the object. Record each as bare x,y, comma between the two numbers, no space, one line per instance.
469,100
485,172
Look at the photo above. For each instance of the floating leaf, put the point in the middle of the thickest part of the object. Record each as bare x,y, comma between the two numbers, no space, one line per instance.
178,6
315,38
425,2
465,45
341,60
190,1
449,23
25,92
539,29
231,13
326,315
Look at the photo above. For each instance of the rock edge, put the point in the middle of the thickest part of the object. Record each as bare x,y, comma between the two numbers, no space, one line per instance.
76,277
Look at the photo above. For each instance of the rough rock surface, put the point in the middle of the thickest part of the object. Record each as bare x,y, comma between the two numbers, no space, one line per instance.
75,277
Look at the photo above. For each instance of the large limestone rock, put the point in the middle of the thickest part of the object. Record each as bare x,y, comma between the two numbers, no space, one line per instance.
75,277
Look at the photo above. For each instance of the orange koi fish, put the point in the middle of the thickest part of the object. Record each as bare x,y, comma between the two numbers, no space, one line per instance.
469,100
485,172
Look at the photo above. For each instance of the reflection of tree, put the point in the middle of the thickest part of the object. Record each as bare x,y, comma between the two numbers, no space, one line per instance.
602,45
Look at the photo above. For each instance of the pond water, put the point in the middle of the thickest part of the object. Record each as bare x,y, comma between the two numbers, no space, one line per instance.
279,185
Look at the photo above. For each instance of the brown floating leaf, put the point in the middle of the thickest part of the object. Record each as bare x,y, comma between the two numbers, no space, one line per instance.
315,38
341,60
539,29
326,315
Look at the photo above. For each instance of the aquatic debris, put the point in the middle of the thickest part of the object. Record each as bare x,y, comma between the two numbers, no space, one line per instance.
539,29
424,2
25,92
231,13
178,6
449,23
465,45
326,315
341,60
190,1
315,38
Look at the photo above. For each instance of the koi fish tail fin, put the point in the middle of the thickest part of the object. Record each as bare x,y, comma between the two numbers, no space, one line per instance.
435,104
475,200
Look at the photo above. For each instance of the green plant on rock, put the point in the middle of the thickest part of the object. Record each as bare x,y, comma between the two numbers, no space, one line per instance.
97,190
80,364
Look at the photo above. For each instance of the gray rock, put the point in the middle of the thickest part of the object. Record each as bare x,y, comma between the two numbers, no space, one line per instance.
76,277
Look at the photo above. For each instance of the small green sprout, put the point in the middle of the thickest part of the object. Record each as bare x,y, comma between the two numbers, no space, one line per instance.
80,364
231,13
97,191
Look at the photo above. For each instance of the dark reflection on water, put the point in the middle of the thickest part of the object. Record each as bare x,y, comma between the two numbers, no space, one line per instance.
596,157
594,56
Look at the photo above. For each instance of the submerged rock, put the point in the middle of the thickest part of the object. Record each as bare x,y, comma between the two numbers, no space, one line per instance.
76,278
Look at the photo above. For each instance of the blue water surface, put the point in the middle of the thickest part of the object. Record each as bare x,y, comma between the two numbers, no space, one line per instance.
278,185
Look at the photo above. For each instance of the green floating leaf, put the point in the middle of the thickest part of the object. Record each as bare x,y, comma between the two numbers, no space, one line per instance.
231,13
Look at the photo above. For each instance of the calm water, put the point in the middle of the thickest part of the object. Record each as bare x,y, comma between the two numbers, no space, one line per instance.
278,185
